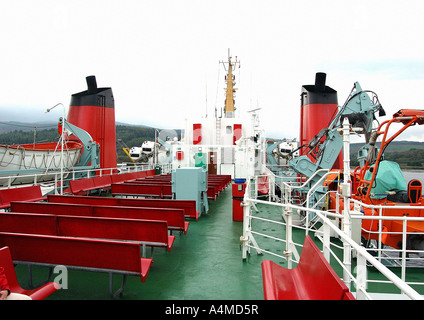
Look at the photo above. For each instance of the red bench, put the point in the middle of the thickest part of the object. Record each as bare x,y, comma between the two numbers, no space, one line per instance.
9,270
216,183
189,206
131,176
50,208
312,279
120,257
103,182
82,185
30,193
151,233
225,179
142,189
86,185
173,217
128,176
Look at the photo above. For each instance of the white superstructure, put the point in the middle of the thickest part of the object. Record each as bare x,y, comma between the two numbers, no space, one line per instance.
224,145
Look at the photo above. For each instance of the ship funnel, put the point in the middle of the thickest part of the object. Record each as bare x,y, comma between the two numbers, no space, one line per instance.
320,81
318,107
93,110
91,84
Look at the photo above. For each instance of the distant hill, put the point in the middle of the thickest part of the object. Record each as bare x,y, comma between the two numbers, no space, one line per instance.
23,133
408,154
395,146
8,126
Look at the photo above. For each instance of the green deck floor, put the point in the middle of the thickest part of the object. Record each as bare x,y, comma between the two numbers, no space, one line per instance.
205,264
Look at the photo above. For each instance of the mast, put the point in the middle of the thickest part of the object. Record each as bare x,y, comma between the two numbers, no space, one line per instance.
229,109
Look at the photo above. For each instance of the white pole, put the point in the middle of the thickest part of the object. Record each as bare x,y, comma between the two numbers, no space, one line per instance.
346,194
62,143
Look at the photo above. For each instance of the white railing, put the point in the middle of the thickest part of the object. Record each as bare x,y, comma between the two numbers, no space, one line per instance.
54,176
330,229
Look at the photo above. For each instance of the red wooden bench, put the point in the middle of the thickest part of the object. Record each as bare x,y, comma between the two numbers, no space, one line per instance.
9,270
216,184
88,184
131,176
312,279
113,257
121,177
225,179
82,185
142,189
150,173
29,193
150,233
103,182
189,206
174,217
50,208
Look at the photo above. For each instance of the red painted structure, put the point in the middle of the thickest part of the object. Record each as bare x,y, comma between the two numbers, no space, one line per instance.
312,279
93,110
318,108
39,293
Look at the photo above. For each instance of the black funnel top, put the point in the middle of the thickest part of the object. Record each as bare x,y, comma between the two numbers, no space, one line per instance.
91,84
318,92
93,96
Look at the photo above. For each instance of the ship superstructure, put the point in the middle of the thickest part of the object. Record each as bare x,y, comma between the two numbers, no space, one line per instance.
227,144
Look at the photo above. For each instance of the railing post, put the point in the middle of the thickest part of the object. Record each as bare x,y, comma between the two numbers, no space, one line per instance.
361,277
404,255
345,191
55,184
246,225
326,242
288,215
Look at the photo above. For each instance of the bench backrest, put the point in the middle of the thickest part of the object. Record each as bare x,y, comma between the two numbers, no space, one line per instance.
31,223
150,231
92,200
151,181
128,176
189,206
174,217
322,281
154,232
9,270
19,194
80,185
51,208
88,253
102,181
141,189
159,203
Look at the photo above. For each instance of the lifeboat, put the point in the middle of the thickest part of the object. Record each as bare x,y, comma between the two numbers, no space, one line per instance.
381,183
39,156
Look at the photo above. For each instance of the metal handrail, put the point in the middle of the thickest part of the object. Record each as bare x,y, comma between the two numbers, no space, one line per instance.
363,256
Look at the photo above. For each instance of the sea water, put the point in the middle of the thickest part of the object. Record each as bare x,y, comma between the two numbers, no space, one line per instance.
413,174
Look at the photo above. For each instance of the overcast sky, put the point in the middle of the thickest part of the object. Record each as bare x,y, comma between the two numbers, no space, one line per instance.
161,58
